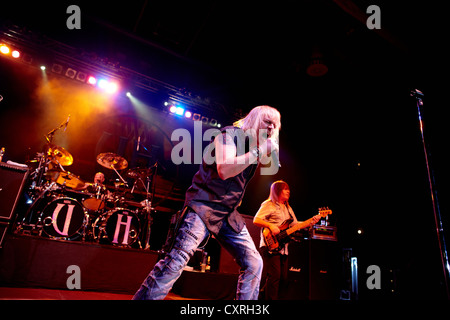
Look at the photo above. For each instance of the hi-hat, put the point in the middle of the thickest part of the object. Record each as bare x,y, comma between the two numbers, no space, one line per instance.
137,173
112,161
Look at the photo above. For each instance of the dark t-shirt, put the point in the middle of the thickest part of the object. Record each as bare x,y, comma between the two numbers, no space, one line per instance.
214,199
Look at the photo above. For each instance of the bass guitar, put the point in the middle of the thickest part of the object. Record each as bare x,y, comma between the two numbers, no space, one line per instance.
275,243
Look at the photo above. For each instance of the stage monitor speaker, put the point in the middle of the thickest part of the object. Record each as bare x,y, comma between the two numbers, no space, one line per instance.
12,180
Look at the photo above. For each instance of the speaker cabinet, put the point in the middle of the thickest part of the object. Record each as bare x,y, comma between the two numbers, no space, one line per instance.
324,272
297,287
314,270
12,180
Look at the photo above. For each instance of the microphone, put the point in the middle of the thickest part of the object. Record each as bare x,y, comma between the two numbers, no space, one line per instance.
276,158
275,154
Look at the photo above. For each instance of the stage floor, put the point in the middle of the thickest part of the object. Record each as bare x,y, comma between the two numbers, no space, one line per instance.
8,293
37,268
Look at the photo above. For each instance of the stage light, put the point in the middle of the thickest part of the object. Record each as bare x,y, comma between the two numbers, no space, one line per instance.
4,49
70,73
27,58
81,76
92,80
57,68
173,109
179,111
188,114
196,117
166,103
15,54
102,83
43,68
205,120
128,94
112,87
213,122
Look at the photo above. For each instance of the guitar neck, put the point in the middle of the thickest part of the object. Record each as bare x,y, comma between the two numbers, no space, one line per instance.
323,212
298,226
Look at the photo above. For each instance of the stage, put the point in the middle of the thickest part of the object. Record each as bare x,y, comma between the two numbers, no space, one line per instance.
32,266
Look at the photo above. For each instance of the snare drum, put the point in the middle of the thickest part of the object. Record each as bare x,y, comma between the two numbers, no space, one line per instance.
63,218
119,227
97,200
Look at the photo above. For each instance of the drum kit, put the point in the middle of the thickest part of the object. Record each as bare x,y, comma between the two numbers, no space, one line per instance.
65,207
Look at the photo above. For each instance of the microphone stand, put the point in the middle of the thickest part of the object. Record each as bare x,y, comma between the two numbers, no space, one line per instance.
418,95
49,136
150,189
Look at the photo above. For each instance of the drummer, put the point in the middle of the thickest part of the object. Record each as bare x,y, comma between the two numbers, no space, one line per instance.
100,195
99,180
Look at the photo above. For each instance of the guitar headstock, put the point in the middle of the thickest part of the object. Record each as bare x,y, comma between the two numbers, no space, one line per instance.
324,211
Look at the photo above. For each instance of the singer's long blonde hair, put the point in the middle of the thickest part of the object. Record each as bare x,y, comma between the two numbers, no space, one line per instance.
255,117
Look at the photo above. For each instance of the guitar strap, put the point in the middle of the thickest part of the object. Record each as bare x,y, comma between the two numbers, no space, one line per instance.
291,213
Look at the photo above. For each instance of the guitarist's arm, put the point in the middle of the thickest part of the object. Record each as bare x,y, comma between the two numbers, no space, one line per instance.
264,224
310,222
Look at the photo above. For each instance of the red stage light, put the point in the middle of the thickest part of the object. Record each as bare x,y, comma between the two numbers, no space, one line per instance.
92,80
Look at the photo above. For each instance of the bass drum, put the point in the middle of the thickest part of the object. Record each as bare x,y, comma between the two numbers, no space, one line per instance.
119,227
63,218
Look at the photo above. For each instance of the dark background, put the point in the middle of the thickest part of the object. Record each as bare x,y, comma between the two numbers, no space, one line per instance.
350,139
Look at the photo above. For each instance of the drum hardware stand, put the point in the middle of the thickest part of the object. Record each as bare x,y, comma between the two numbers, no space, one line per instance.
148,203
39,224
147,208
36,176
121,178
418,95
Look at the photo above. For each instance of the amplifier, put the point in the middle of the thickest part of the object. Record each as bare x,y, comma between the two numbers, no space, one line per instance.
12,180
323,233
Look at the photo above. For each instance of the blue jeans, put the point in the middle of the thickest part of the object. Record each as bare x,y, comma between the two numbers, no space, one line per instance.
191,233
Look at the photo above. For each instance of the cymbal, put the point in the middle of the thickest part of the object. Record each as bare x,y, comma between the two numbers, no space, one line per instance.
136,173
59,154
65,178
70,180
112,161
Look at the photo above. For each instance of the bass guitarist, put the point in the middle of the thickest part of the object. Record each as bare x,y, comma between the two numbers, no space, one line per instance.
274,215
